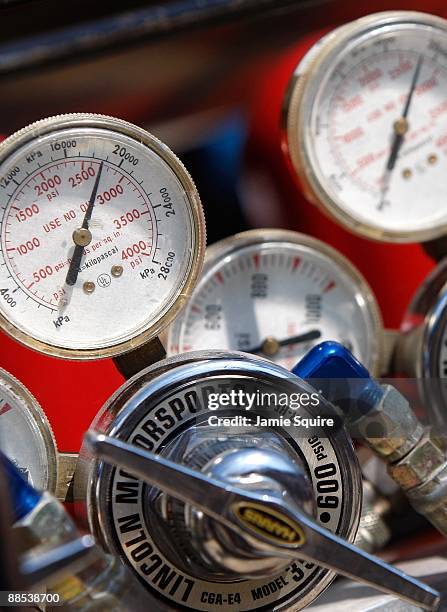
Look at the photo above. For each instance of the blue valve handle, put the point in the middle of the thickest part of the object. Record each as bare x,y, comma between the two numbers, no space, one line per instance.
341,378
24,498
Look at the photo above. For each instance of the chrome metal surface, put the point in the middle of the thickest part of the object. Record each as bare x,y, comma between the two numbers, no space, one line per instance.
220,501
155,410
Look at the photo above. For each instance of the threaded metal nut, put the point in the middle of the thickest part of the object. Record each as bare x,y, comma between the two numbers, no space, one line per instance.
391,429
421,463
430,499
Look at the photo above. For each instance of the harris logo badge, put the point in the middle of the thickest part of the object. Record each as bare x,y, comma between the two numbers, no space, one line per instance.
269,523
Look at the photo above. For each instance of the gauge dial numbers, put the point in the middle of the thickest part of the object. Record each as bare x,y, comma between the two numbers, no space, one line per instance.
276,294
102,236
366,126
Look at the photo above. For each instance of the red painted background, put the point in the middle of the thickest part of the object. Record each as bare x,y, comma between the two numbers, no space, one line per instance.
72,393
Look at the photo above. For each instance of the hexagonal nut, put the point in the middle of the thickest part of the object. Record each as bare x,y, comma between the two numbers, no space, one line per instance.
421,463
47,523
391,429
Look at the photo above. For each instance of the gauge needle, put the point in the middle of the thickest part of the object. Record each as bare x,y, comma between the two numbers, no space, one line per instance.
82,236
270,346
400,128
401,125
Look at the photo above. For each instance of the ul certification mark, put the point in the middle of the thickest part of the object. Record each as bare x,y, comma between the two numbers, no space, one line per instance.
104,280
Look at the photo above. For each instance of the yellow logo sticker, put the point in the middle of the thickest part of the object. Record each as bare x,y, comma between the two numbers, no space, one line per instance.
269,523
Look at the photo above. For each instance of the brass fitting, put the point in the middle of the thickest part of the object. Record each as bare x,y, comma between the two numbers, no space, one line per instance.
98,585
391,429
430,498
416,456
422,463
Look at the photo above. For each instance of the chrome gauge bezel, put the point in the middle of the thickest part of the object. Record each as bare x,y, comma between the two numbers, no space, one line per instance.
419,345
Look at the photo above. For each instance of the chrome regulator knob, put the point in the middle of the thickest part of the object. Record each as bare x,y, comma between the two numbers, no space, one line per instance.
214,551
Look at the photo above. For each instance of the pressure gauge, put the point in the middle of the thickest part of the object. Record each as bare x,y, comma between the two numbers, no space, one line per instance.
364,125
102,236
172,409
25,434
276,293
421,351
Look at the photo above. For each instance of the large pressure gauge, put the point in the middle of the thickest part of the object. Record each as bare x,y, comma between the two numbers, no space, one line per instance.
176,409
365,128
102,236
277,293
25,434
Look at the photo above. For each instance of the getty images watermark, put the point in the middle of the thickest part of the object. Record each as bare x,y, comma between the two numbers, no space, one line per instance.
285,404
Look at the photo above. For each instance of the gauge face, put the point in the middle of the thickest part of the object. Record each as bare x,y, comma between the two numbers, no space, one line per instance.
101,232
367,131
25,434
277,294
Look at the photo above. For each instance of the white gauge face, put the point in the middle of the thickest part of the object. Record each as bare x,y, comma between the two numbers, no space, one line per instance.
375,129
98,237
25,437
276,300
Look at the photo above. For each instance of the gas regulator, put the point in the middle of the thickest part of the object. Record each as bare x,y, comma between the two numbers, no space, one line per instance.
213,504
214,494
182,558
